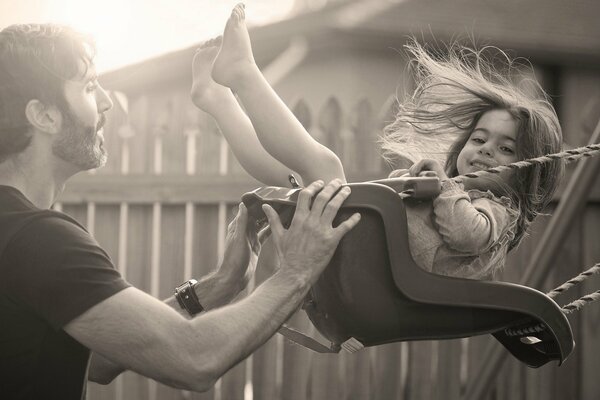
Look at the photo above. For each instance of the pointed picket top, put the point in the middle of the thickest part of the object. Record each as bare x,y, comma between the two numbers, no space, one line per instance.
330,124
361,118
387,113
302,112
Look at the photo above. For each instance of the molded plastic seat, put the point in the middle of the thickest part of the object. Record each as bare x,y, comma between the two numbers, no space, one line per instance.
373,291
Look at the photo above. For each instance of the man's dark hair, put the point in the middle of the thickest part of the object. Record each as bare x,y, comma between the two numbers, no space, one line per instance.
35,62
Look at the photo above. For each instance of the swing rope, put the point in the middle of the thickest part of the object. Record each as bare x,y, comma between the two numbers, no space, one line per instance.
568,155
567,309
579,303
574,281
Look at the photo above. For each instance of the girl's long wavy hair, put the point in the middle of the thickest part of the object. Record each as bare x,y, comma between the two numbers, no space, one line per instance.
453,90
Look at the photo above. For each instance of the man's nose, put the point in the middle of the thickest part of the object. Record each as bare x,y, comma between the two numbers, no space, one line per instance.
103,100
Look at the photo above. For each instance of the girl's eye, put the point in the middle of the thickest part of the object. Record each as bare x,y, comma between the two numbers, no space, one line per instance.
478,140
507,150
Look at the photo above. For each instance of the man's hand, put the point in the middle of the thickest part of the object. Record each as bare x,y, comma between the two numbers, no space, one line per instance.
241,249
309,243
427,167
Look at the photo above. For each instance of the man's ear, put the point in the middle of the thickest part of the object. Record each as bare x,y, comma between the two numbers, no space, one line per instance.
43,117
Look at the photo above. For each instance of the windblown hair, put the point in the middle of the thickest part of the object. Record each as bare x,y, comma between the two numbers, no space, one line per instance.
452,92
35,62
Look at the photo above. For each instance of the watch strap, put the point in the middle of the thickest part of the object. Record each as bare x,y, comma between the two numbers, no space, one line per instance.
187,298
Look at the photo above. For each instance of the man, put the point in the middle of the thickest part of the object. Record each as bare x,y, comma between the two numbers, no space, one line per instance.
61,298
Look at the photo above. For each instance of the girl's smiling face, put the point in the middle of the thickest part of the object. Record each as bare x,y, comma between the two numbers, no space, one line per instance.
492,143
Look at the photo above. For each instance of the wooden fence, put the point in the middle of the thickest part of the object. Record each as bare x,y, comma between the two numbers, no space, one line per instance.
160,208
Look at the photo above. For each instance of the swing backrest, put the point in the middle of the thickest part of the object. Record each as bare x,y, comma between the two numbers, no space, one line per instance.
373,291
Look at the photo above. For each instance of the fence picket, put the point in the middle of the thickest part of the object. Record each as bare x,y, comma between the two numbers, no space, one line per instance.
265,379
330,124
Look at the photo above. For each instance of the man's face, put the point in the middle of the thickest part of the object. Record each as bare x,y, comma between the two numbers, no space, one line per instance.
81,141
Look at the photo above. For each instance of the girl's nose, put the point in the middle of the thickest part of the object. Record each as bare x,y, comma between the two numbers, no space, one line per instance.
485,151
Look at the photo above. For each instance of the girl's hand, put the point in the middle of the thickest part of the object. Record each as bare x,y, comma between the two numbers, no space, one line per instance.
427,167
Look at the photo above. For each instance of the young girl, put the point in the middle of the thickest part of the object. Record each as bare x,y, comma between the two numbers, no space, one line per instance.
467,230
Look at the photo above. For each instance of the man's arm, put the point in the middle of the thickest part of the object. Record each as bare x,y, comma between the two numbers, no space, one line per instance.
143,334
214,290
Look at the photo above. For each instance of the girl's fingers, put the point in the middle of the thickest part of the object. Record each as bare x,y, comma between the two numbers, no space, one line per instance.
416,168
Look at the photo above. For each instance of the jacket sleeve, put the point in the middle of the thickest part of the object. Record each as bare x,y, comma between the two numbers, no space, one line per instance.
472,224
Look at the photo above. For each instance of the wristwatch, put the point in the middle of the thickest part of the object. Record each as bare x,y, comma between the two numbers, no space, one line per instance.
187,298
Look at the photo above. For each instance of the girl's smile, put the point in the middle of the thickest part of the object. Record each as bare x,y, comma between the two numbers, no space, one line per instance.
492,143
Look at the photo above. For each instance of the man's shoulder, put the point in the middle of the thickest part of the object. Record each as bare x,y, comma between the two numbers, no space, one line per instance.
46,221
42,232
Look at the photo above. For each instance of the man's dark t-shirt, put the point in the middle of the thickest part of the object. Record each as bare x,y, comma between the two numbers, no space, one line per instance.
51,271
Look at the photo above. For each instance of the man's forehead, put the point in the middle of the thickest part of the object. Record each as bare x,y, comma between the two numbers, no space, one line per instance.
87,72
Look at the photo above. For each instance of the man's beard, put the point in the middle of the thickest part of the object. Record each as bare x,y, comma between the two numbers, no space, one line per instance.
76,143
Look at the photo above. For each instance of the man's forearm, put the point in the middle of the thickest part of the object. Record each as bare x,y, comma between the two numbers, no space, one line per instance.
239,329
213,290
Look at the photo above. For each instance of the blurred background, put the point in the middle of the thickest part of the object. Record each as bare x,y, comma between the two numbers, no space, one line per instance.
161,205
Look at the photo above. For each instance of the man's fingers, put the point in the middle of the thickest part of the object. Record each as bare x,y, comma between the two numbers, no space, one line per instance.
325,196
264,235
332,208
306,195
347,225
242,215
274,221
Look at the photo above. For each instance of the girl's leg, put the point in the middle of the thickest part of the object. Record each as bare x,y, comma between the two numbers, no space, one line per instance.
281,134
220,102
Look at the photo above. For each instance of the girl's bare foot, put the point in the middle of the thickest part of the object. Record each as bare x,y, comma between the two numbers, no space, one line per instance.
206,93
235,59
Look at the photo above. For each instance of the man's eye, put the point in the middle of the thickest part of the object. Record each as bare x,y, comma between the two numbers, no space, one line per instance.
92,88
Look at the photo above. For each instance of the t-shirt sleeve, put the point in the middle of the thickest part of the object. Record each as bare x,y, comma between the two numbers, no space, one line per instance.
58,270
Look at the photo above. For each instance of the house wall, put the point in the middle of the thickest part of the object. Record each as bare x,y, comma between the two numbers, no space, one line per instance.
350,74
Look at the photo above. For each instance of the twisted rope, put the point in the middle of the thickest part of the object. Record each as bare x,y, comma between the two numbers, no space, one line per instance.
568,155
574,281
579,303
567,309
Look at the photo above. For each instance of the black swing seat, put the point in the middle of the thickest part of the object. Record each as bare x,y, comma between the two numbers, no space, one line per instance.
373,291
